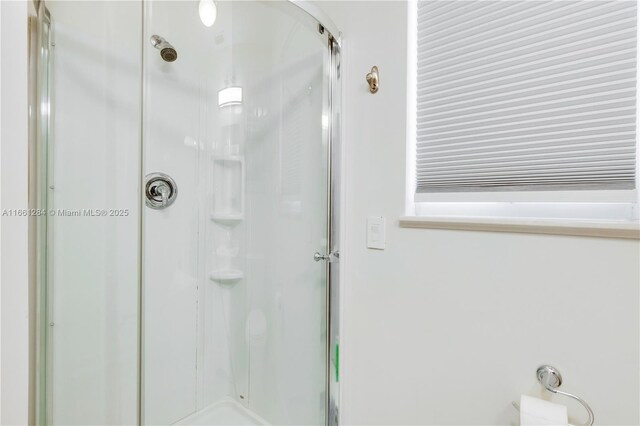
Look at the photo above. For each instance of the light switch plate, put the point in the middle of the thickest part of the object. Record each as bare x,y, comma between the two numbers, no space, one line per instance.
375,232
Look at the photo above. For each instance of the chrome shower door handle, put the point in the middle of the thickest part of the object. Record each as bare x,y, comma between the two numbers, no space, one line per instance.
331,257
318,257
160,190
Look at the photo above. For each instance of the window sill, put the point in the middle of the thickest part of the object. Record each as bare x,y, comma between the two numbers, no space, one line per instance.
582,228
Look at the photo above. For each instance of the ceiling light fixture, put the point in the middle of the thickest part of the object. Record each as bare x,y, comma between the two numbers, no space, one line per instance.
208,12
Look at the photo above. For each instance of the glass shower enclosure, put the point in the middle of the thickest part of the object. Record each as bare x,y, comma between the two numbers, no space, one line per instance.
187,263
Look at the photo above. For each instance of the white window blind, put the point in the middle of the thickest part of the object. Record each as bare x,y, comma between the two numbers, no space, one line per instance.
526,95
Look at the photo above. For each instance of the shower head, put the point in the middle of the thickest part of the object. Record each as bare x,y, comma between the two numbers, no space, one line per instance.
167,51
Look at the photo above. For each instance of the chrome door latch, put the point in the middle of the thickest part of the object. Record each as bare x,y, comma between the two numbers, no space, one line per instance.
160,190
331,257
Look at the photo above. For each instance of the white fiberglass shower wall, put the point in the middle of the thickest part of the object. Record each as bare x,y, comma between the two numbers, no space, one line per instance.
211,310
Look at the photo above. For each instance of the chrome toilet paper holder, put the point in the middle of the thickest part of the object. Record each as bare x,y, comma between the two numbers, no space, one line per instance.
551,379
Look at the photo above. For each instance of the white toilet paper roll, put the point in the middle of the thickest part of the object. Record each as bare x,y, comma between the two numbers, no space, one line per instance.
538,412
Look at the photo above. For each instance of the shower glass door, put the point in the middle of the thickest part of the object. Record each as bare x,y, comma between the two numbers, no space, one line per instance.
235,156
184,169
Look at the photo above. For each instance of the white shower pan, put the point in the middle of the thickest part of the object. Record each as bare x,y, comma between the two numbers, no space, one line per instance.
224,412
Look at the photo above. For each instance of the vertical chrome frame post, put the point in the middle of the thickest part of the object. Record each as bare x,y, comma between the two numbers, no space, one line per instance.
40,64
335,192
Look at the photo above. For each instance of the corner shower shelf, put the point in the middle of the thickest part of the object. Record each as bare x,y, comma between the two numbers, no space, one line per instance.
227,218
229,158
227,275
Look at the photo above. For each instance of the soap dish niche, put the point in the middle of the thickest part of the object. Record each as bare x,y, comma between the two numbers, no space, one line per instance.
228,187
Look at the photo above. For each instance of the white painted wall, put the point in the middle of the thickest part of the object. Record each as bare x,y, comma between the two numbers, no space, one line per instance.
14,302
448,327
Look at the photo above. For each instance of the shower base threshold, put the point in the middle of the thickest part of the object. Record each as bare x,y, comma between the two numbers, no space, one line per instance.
224,412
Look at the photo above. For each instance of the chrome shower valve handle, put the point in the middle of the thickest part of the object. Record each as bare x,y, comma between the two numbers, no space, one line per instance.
160,190
163,190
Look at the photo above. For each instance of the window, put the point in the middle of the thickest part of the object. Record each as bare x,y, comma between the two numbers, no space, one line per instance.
525,102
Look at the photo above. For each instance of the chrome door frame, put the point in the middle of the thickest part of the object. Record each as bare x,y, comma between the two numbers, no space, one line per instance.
41,58
335,191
